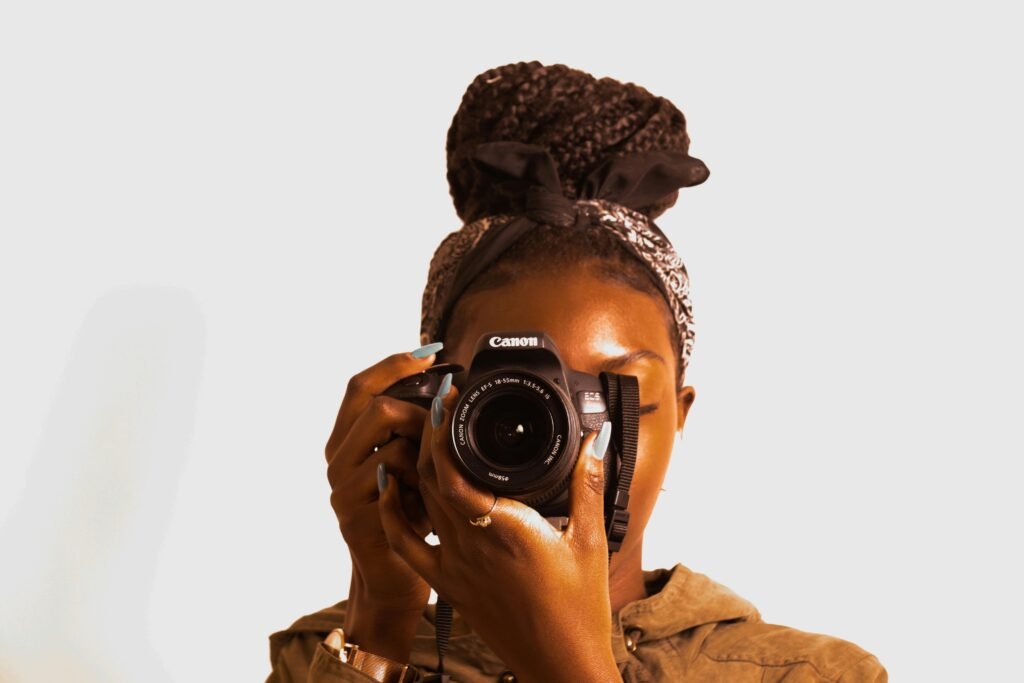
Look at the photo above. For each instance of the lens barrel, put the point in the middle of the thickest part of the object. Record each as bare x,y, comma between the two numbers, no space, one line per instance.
517,433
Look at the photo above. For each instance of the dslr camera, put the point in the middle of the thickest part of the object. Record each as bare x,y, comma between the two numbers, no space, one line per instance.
521,416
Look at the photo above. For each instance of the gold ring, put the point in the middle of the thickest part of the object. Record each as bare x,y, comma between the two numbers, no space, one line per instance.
484,520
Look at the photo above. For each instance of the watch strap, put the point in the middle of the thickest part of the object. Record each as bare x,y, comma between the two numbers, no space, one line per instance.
380,668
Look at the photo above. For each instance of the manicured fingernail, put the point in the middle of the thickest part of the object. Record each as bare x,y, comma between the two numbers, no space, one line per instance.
436,412
446,385
601,442
382,477
428,350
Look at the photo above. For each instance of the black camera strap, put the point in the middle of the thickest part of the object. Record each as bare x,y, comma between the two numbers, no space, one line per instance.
442,629
623,392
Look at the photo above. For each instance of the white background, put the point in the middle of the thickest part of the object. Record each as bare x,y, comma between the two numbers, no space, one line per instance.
213,213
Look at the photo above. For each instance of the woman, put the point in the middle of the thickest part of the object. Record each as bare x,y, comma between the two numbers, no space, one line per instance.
557,177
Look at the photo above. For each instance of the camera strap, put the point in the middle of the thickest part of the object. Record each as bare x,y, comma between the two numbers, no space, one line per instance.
623,392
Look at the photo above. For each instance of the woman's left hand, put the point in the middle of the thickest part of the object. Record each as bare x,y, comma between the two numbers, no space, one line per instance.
537,596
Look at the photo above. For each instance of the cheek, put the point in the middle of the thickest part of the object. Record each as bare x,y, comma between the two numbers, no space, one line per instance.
657,436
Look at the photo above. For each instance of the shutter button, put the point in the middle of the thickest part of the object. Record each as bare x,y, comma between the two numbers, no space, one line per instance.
507,677
633,637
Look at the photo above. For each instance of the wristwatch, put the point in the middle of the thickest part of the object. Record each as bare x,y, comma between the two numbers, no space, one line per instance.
380,668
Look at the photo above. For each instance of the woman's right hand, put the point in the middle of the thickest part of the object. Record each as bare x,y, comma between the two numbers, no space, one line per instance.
386,597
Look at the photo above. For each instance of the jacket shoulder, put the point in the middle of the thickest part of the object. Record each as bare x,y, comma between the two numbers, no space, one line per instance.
317,624
822,657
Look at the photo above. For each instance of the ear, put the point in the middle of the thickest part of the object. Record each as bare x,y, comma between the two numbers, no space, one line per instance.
684,399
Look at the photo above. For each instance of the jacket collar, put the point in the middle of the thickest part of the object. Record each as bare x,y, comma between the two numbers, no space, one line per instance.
686,599
678,599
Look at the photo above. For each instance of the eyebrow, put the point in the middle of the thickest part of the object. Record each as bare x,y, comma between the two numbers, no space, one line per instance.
631,357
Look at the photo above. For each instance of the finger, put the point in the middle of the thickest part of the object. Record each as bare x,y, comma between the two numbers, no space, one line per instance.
382,418
364,385
399,457
586,491
441,521
440,517
422,557
416,511
424,462
359,485
463,498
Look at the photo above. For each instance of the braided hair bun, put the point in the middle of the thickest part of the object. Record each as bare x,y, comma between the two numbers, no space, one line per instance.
580,119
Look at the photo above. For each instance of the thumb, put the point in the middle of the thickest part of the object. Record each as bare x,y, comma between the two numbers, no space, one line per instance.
586,493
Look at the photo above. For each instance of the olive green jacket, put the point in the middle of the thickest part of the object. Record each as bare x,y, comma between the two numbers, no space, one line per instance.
689,628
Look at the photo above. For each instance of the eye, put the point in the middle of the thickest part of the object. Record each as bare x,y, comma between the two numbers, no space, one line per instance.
649,408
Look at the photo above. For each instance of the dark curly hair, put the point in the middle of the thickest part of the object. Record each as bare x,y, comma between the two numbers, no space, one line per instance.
582,121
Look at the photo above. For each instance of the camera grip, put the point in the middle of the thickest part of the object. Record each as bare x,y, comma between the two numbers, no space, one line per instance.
421,388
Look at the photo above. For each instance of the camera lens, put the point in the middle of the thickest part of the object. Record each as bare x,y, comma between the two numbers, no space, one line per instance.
518,433
512,430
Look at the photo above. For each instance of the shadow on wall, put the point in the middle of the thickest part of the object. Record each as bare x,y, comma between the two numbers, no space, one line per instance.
80,546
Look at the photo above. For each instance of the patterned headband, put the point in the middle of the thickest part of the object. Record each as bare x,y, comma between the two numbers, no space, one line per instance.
609,196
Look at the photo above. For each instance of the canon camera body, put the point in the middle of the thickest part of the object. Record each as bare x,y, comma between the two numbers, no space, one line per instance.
520,418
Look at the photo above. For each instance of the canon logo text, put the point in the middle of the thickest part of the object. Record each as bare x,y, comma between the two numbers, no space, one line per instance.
497,342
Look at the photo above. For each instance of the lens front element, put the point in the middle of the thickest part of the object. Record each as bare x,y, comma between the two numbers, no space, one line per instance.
512,430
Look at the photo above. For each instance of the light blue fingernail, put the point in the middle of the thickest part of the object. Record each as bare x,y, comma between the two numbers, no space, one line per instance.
382,478
601,442
446,385
428,350
436,412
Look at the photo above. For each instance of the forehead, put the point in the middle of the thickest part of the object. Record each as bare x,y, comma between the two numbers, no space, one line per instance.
590,318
